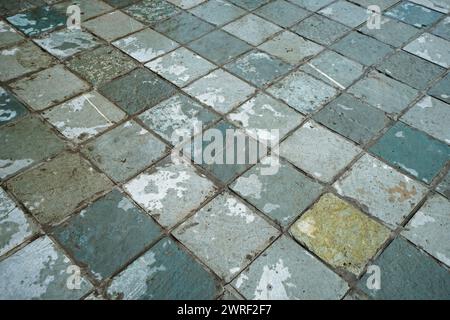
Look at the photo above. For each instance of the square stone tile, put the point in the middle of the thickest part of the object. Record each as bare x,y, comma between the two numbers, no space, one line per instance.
362,49
107,234
152,11
120,3
8,8
165,191
145,45
383,4
39,20
320,29
15,225
443,29
226,235
18,61
252,29
258,68
318,151
410,69
400,281
184,27
217,12
412,151
124,151
262,114
36,188
441,89
392,32
290,47
312,5
437,5
25,143
383,92
165,272
138,90
186,4
346,13
352,118
48,87
431,48
380,190
88,8
11,109
444,186
282,13
340,234
176,116
286,271
66,43
413,14
101,65
282,196
219,47
181,66
249,4
220,90
302,92
39,271
429,228
8,36
334,69
84,117
106,28
431,116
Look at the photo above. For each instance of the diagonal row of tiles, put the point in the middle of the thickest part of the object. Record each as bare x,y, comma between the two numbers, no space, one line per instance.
346,100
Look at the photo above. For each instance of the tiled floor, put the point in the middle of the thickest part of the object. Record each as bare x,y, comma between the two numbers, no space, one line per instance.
93,207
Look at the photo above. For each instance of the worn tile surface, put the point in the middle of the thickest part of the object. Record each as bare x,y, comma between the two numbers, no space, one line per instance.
282,13
151,11
392,32
8,36
320,29
443,29
413,14
346,13
441,89
444,186
11,109
218,12
431,48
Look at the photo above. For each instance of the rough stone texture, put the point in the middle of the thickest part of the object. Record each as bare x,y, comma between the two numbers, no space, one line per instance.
320,29
217,12
443,29
429,228
380,190
249,4
427,280
75,180
160,190
39,271
152,11
312,5
11,109
124,151
437,5
346,13
107,234
413,14
216,231
383,4
105,26
393,32
165,272
282,13
186,4
431,48
286,271
444,186
441,89
340,234
88,8
26,143
282,196
8,36
318,151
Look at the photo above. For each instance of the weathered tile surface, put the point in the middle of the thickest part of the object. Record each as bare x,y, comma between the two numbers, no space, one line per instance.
429,228
441,89
380,190
84,117
36,188
352,118
165,272
437,5
218,12
249,4
88,8
302,92
383,4
186,4
181,66
125,150
413,14
39,271
136,91
106,28
444,186
282,196
107,234
282,13
312,5
286,271
431,48
427,280
160,189
20,60
318,151
101,65
208,234
340,234
220,90
11,109
57,83
25,143
8,36
443,29
393,32
8,8
346,13
320,29
152,11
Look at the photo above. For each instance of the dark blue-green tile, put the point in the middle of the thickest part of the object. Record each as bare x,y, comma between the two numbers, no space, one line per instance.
414,14
11,109
441,89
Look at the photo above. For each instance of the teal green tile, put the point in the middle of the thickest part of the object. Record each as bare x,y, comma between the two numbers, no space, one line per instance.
282,13
414,14
152,11
11,109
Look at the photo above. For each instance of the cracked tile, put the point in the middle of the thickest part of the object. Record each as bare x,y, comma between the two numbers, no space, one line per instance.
431,48
124,151
208,234
217,12
105,26
11,109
